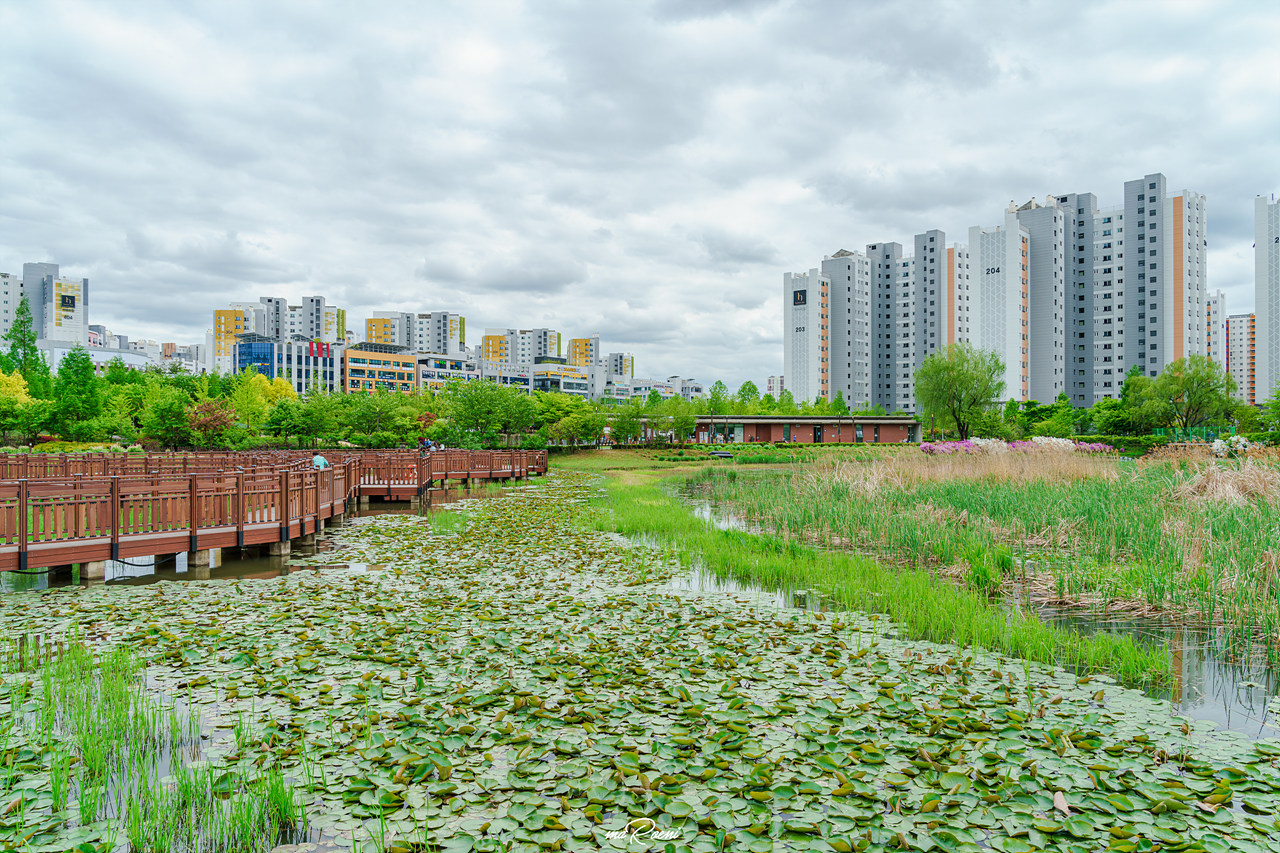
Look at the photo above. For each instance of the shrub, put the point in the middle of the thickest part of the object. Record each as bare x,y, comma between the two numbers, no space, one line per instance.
1130,445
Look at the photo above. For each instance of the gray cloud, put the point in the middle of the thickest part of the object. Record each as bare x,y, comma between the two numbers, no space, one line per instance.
645,171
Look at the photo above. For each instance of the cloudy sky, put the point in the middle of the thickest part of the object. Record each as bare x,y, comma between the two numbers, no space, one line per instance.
646,171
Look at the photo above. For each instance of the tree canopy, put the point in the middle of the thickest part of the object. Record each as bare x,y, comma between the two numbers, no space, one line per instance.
958,384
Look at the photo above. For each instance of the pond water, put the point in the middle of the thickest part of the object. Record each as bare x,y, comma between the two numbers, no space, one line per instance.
1210,683
229,565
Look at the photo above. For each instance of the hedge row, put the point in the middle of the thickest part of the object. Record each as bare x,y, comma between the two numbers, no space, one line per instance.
1137,444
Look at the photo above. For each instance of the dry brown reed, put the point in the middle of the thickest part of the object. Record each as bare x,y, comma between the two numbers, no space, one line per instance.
909,469
1232,484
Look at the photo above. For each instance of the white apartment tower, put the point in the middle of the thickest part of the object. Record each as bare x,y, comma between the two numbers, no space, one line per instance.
1046,227
1069,295
848,277
1216,327
440,332
1136,291
1001,299
1241,352
1266,283
10,296
804,334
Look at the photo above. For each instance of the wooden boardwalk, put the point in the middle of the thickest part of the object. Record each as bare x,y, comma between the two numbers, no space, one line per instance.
57,510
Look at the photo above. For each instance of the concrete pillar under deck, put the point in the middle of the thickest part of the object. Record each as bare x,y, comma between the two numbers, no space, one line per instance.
280,549
96,570
307,539
364,500
199,558
198,573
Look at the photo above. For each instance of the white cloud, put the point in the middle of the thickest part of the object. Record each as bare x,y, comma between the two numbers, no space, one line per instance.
642,171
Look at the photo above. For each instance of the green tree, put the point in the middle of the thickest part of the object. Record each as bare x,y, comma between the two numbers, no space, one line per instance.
1192,391
718,398
33,418
626,425
167,418
958,383
748,396
553,406
768,404
838,405
77,395
654,401
476,406
23,354
786,403
1110,416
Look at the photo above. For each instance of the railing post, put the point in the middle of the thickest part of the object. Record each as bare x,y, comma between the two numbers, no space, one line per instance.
192,508
284,506
241,510
23,508
115,513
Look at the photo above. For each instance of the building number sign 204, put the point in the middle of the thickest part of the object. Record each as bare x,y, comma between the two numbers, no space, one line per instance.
992,270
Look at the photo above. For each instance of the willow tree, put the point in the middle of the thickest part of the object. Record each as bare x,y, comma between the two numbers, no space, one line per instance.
959,384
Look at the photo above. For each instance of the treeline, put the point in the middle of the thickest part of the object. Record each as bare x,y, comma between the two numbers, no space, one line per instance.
175,409
960,392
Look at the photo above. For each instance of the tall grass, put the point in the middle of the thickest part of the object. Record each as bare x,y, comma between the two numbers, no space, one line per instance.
121,761
1200,540
924,606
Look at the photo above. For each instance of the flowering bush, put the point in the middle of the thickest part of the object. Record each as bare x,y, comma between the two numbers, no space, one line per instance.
992,446
946,448
1233,447
1094,447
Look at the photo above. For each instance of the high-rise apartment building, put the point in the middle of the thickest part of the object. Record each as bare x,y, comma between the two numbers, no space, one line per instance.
394,328
440,332
584,352
274,318
33,279
1216,327
1053,289
1242,356
804,334
10,296
848,330
1136,284
773,385
621,364
1001,259
1266,285
1046,347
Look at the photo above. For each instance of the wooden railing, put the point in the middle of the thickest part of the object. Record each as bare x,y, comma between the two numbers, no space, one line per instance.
88,508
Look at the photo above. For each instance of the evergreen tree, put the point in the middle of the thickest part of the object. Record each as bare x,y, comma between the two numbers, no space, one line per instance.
77,395
23,355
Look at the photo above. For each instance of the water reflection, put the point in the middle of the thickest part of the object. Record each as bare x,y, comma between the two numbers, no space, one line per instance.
1210,682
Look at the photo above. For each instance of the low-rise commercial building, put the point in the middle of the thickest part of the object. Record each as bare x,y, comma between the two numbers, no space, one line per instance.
779,429
367,367
306,365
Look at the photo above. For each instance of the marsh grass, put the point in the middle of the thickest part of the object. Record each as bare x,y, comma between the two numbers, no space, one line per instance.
446,522
1193,539
121,762
924,606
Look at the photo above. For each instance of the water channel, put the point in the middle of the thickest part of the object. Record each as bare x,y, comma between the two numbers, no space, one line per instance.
1210,683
